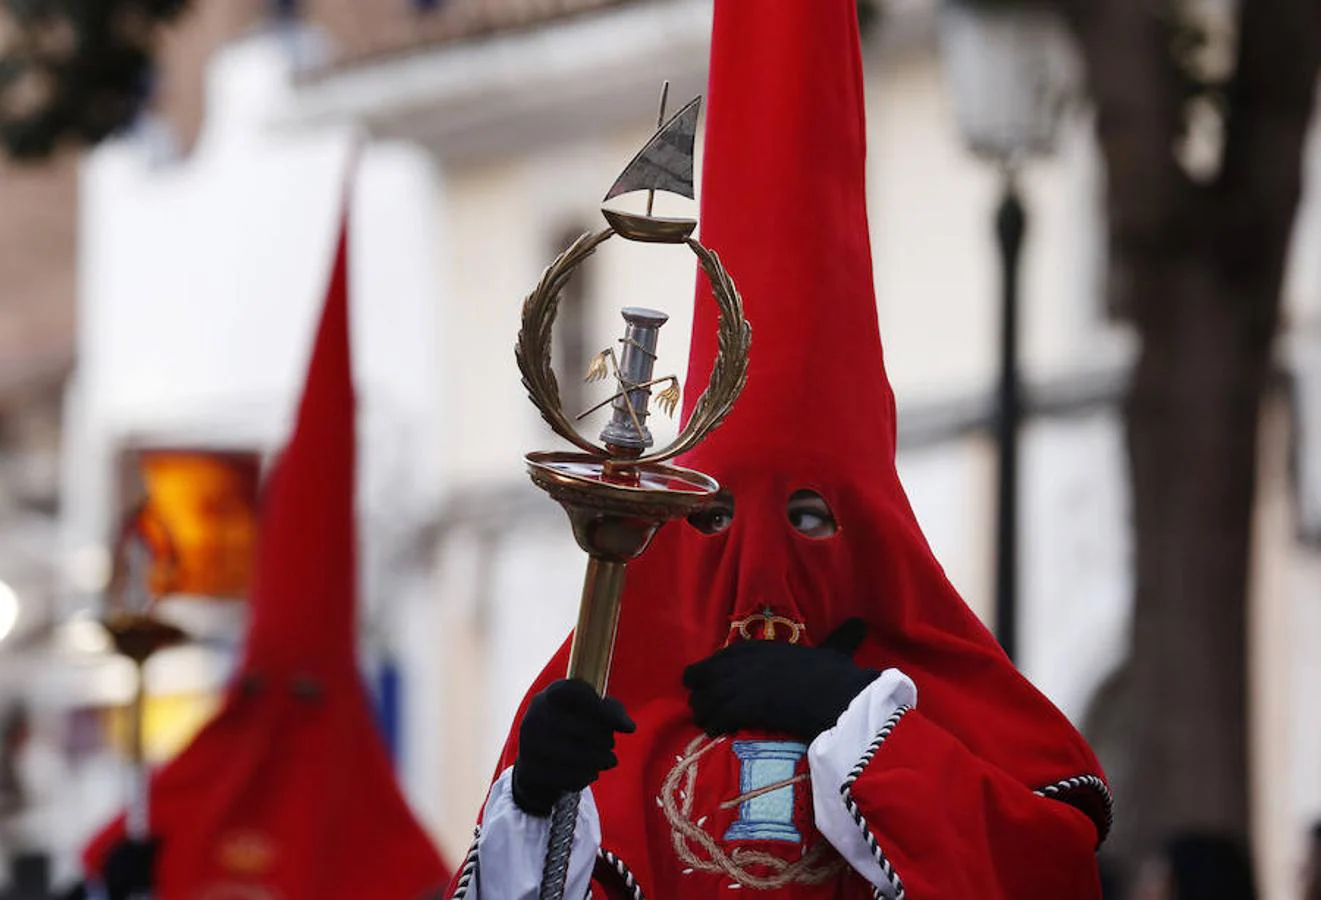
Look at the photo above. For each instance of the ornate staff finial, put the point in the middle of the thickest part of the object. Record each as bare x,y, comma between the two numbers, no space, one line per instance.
616,493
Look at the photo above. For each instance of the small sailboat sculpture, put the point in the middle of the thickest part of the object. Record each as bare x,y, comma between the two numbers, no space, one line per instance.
665,163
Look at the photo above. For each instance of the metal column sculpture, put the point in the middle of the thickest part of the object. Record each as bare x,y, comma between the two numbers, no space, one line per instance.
617,494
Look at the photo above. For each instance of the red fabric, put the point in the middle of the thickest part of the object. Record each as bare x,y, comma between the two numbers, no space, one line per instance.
1009,845
783,203
288,792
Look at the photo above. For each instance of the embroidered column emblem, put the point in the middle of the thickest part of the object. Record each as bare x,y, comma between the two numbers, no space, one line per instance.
766,779
766,772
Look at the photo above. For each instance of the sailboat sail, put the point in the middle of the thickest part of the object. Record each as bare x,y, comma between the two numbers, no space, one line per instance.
666,162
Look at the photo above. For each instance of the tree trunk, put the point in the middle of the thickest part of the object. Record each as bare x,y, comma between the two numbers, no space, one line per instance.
1198,268
1191,417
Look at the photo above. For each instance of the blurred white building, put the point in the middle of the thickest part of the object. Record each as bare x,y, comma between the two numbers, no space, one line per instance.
482,156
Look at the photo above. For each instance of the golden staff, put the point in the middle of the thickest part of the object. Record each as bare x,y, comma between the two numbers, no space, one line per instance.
616,494
138,634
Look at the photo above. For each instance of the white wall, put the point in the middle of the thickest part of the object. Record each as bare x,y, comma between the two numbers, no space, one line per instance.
201,281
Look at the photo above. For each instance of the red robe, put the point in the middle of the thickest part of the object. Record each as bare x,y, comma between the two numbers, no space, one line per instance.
984,790
288,792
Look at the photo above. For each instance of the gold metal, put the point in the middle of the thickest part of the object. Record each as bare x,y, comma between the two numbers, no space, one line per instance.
140,635
598,370
534,338
769,622
615,508
598,621
616,502
616,495
138,715
649,229
138,816
668,399
729,372
130,610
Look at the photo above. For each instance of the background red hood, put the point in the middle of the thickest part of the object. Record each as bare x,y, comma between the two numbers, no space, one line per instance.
288,792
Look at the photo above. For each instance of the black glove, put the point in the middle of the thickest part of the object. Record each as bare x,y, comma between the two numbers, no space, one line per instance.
779,687
566,741
128,868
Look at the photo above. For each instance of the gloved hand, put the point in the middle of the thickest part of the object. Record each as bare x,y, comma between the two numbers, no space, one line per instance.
129,868
566,741
779,687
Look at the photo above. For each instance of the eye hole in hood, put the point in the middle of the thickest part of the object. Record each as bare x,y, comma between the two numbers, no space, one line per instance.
810,515
716,516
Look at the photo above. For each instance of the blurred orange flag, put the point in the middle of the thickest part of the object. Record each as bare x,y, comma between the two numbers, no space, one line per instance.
205,504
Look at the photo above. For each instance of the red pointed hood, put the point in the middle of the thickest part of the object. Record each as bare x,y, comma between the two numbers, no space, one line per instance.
783,204
289,790
304,593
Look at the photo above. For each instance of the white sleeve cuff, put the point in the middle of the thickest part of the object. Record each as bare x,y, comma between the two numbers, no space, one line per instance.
511,848
837,751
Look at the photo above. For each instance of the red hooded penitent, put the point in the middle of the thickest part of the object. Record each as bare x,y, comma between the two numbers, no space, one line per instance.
288,792
963,798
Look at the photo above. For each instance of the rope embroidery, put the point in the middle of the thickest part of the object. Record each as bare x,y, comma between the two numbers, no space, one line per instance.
846,791
700,850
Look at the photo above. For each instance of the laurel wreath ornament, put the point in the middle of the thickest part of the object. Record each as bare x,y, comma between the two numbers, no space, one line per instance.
699,850
729,371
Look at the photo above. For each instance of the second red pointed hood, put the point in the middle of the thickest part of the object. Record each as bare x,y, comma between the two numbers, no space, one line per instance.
289,792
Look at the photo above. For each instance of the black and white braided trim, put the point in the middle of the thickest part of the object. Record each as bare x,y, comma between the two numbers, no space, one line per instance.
620,868
1067,789
468,870
846,791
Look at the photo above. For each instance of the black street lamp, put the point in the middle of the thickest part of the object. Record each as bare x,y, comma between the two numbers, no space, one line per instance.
1010,229
1009,66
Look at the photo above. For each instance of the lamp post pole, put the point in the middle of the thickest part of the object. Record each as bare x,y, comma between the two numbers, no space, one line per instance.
1008,64
1010,229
